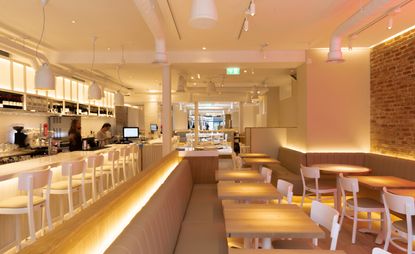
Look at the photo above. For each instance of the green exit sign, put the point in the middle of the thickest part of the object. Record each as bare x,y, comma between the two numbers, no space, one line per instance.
233,71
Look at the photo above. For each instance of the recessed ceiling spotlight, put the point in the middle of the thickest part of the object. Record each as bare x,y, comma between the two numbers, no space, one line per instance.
245,71
108,49
252,72
73,21
192,77
203,48
198,76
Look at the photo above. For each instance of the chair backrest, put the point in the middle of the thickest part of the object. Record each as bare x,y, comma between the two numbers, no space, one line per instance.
266,173
310,172
35,179
234,159
286,189
399,204
70,168
238,162
134,148
327,217
95,161
125,151
349,185
113,155
380,251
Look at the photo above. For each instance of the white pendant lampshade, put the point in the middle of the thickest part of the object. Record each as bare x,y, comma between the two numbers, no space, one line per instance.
94,92
44,79
204,14
118,99
181,84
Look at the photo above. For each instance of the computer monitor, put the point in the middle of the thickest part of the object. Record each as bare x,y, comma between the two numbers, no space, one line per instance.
153,127
130,132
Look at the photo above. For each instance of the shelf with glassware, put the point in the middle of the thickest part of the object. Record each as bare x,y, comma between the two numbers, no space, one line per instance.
17,92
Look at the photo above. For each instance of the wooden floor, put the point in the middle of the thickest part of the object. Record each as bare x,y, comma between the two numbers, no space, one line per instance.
364,243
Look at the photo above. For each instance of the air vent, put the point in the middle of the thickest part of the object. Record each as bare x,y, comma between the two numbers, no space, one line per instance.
4,53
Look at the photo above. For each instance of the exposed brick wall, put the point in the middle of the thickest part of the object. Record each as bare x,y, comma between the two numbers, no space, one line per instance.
392,90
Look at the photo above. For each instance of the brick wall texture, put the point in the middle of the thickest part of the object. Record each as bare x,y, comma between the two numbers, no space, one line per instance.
392,90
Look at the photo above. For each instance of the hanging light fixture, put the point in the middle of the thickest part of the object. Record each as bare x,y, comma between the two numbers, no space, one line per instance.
94,91
181,84
251,10
44,78
204,14
118,99
246,24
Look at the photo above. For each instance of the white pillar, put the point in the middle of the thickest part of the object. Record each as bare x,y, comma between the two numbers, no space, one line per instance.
241,117
196,123
166,111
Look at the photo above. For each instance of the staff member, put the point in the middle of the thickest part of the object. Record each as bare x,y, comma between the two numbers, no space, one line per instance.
104,135
75,138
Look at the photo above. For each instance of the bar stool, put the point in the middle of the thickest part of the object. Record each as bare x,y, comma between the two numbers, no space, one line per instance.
93,173
109,168
316,188
135,158
70,170
22,204
404,228
368,205
125,158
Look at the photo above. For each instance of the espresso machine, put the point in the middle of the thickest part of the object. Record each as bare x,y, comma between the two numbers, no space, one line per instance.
19,136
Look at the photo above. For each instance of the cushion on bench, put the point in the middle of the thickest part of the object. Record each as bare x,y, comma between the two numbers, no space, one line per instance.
387,165
335,158
291,159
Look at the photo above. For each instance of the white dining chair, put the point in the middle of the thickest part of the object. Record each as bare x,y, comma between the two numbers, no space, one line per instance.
380,251
266,174
286,189
66,187
325,216
403,229
29,182
356,204
112,168
310,177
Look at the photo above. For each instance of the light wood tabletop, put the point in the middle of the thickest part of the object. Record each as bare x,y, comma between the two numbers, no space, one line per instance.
238,175
403,192
260,161
269,221
253,155
286,251
247,191
342,168
378,182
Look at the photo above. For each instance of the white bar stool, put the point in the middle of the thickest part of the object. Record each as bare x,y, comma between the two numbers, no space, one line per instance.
70,170
93,173
22,204
125,158
110,167
135,158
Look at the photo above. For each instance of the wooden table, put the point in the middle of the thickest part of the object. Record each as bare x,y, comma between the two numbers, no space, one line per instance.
239,175
247,191
256,163
253,155
403,192
341,169
378,182
286,251
269,221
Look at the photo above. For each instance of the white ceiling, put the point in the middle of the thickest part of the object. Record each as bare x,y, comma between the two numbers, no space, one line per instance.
284,25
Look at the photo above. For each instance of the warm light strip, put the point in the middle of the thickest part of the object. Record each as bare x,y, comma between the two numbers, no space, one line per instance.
393,36
126,218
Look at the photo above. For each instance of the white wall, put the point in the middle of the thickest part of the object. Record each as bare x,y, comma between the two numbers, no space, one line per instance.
151,115
249,115
7,120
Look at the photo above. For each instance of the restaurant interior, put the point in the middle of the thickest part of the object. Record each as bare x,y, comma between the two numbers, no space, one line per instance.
207,126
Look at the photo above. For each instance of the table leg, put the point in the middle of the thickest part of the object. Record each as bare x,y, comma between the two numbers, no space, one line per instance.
247,243
266,243
338,201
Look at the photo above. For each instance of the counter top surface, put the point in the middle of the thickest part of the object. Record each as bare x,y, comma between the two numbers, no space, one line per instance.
11,170
16,153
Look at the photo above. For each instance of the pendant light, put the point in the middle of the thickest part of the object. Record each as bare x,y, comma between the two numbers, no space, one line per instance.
94,91
204,14
44,78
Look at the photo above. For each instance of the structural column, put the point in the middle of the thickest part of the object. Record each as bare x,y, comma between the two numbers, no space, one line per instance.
196,123
166,110
241,117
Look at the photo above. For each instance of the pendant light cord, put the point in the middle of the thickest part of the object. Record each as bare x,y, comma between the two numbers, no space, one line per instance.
43,30
94,39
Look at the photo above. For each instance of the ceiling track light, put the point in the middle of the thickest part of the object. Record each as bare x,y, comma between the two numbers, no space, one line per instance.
252,8
390,22
246,24
44,78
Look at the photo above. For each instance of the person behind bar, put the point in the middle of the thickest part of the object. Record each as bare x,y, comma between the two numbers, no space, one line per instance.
75,138
103,135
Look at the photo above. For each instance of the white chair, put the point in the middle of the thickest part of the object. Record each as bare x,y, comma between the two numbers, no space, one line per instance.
266,174
324,216
380,251
111,168
367,205
125,153
310,177
94,173
286,189
135,159
22,204
67,187
404,228
234,160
